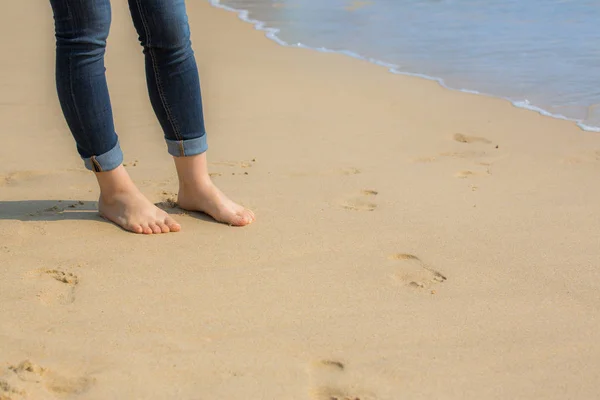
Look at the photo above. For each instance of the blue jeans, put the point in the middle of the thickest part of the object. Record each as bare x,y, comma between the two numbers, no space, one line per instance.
82,28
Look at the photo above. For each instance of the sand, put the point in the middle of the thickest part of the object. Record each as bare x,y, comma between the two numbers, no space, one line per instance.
412,242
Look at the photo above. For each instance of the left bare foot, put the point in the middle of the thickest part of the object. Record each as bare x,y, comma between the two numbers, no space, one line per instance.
208,199
198,193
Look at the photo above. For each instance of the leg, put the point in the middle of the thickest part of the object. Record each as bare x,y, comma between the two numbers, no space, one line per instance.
82,27
174,89
81,31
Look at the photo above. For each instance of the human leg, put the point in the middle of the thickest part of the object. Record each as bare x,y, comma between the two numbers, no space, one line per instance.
81,29
174,90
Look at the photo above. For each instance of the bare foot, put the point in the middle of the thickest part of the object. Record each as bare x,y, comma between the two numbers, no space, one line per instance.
198,193
122,203
208,199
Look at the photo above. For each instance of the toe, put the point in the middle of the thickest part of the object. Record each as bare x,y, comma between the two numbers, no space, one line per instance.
135,228
248,217
239,220
163,227
172,224
146,229
155,228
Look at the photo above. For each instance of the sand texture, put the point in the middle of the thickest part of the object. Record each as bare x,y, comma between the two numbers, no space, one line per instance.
412,242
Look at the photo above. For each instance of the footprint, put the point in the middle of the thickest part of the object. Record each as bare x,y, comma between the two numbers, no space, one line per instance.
414,273
35,378
64,277
7,391
28,371
369,192
330,380
350,171
471,174
361,203
59,287
459,137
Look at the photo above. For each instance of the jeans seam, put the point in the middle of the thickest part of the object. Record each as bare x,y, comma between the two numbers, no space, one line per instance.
72,93
69,13
157,79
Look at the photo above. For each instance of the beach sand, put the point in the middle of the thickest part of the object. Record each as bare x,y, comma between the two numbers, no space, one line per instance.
412,242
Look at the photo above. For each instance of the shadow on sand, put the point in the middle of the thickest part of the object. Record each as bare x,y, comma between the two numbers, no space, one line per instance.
63,210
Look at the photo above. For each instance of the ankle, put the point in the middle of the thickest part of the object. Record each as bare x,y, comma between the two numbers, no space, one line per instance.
195,185
114,182
111,196
193,172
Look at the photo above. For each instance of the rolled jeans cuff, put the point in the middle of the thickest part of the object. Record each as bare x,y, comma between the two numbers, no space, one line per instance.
106,161
187,147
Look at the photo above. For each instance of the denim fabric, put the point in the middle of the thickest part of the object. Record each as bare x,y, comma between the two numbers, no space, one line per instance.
82,28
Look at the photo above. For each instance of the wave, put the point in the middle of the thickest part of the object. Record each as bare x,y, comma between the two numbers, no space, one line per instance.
271,33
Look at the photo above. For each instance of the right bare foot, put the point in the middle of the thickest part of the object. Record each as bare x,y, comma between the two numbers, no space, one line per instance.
122,203
134,212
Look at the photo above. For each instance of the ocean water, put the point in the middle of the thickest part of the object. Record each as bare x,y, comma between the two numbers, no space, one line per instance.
540,54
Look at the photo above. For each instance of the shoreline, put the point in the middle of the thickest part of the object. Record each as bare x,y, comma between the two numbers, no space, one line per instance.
271,33
411,241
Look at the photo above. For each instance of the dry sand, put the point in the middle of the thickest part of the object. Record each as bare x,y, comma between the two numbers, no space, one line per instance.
411,243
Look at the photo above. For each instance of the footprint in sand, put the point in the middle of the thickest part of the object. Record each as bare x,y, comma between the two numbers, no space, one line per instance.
9,392
479,157
30,380
363,202
471,174
58,286
349,171
459,137
463,154
331,380
414,273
